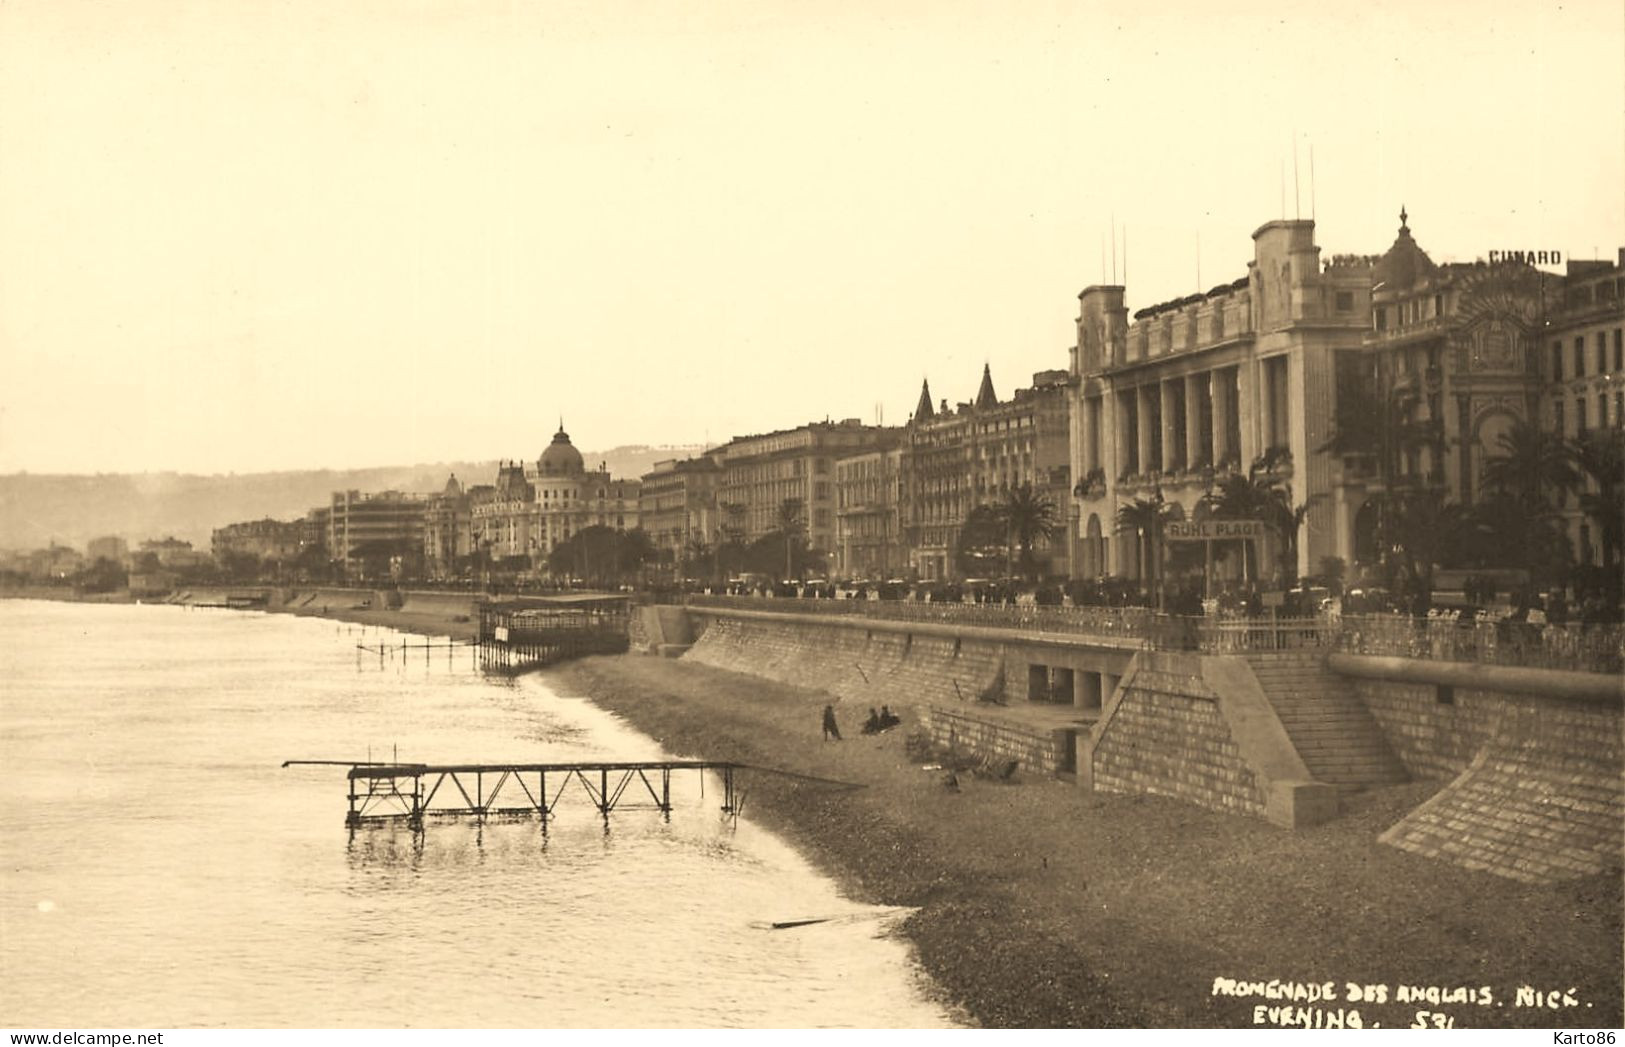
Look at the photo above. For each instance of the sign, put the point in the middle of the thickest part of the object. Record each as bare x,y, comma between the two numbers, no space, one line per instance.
1527,257
1212,530
502,634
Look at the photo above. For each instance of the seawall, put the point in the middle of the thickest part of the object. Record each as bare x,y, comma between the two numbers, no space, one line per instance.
1534,781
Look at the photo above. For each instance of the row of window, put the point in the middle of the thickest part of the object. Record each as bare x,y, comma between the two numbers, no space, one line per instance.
1580,421
1411,312
1600,343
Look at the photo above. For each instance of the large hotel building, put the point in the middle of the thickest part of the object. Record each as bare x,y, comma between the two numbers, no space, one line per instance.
1190,391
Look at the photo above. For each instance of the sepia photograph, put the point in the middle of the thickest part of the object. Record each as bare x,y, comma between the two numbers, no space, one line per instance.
753,515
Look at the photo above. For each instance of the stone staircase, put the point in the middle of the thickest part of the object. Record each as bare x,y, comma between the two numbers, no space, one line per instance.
1334,733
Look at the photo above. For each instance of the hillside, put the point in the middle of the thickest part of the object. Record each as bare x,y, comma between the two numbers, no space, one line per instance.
37,509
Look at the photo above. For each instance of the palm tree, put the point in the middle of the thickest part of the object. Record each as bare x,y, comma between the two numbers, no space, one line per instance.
1531,464
1421,526
1601,457
1144,517
789,523
1028,515
1530,470
732,537
697,554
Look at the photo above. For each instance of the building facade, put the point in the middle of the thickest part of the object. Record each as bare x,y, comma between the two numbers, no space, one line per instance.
111,548
447,531
375,536
677,507
1583,376
1349,380
761,474
975,455
268,540
533,509
868,515
173,553
1199,388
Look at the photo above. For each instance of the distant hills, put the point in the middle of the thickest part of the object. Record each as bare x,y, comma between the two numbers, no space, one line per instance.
37,509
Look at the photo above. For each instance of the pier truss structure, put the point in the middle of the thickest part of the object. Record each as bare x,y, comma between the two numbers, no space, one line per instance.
414,792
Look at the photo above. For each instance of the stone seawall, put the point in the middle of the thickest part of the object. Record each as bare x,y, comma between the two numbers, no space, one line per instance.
1164,735
861,666
1536,785
1034,751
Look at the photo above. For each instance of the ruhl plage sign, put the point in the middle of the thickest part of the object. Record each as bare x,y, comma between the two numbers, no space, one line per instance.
1213,530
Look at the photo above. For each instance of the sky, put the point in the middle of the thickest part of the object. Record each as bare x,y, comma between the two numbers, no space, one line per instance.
278,235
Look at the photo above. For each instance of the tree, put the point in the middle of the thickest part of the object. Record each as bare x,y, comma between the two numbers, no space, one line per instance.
1145,518
697,556
1028,516
1529,472
983,540
1421,526
380,556
1600,457
602,556
730,550
1532,466
791,526
103,576
241,566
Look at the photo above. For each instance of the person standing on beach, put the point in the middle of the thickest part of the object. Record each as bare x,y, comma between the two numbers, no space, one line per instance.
831,728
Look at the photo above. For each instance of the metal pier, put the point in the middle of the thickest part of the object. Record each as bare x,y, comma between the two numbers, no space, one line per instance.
413,791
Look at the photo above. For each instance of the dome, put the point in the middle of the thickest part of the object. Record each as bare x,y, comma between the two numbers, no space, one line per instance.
1405,263
561,458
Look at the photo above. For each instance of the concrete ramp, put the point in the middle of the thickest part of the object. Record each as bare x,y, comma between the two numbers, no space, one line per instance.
1543,800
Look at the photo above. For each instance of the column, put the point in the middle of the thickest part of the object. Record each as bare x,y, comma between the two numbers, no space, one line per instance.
1170,432
1220,392
1193,420
1091,435
1143,425
1264,405
1125,435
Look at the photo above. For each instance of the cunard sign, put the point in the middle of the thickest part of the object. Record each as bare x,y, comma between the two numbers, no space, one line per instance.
1527,257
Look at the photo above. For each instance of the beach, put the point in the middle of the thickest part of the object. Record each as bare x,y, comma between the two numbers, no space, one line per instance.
1038,904
1041,905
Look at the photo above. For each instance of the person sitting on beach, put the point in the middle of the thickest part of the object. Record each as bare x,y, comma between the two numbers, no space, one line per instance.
872,724
887,719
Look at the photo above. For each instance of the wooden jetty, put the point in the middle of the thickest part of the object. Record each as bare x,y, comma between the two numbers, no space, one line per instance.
414,791
516,635
380,792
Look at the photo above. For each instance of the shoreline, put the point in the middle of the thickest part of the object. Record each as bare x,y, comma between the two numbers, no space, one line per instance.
1039,905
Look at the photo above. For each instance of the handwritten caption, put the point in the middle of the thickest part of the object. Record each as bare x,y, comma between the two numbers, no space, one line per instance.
1352,1005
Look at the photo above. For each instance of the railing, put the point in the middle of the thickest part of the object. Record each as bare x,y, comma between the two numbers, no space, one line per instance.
1577,648
1117,622
1236,636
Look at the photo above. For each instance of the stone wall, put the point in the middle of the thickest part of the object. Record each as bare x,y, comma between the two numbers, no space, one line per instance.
637,632
1163,735
1536,784
866,667
1042,753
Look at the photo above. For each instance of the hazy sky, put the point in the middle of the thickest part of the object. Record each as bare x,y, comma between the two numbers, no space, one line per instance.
255,235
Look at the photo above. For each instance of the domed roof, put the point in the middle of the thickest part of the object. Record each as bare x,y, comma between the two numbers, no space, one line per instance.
1405,263
561,458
